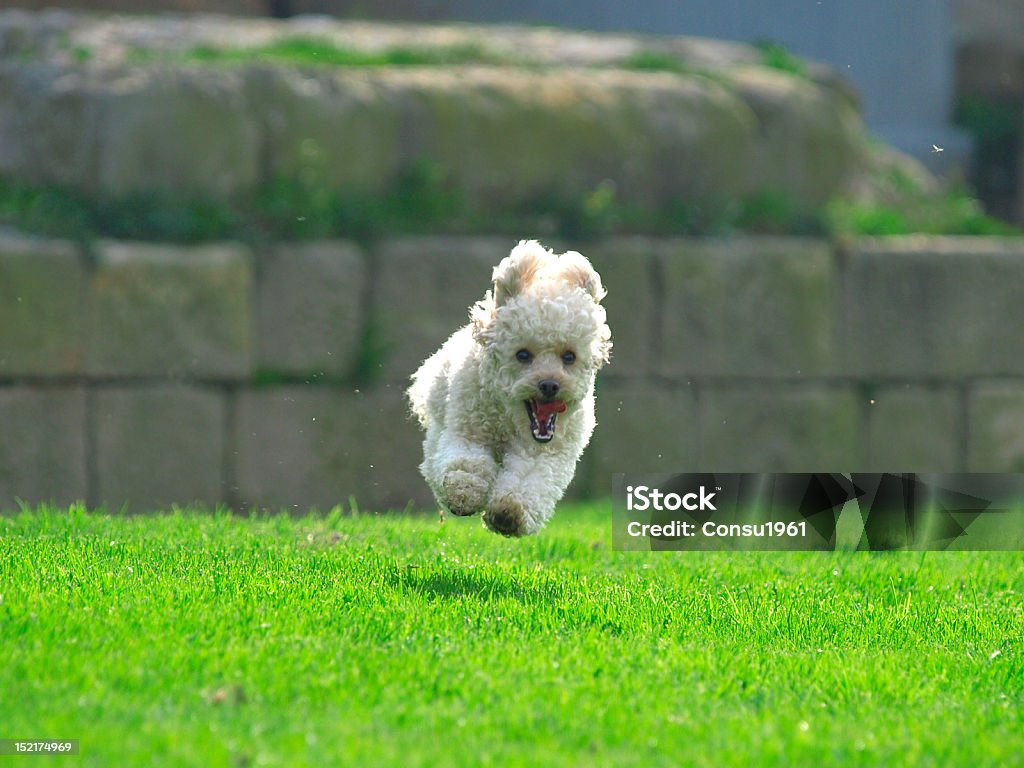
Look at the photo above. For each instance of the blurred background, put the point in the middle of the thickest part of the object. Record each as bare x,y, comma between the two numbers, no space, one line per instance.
948,73
231,229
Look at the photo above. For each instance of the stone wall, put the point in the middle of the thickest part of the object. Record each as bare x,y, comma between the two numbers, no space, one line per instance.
114,107
141,375
899,55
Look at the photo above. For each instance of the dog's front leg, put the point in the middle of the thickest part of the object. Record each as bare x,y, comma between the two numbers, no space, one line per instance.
528,486
463,474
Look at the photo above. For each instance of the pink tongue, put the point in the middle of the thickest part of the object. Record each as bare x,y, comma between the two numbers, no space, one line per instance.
544,410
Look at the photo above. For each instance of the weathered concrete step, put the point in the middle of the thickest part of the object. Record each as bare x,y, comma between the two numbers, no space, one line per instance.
501,137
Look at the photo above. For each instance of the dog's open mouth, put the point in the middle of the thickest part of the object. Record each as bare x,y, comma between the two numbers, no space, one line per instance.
542,417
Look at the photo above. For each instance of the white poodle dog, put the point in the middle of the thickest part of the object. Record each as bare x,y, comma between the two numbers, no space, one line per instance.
508,401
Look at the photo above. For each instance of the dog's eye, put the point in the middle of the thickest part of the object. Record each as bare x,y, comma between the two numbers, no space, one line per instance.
569,357
524,356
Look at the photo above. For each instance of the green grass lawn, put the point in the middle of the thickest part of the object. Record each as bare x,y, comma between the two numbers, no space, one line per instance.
215,640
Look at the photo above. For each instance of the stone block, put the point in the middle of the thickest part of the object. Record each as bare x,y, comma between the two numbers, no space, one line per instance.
779,428
425,286
41,284
627,266
181,130
809,138
644,428
328,128
49,124
42,445
168,311
158,446
747,307
913,429
302,447
310,308
512,137
996,428
934,307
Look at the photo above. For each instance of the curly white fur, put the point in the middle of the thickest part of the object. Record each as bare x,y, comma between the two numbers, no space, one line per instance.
481,452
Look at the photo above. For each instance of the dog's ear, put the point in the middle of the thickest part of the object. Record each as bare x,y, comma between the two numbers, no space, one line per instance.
517,270
577,271
481,316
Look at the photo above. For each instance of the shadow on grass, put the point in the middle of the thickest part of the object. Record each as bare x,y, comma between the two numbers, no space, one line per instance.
469,582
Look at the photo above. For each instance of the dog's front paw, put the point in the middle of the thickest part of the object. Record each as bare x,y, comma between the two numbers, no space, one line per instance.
464,492
505,515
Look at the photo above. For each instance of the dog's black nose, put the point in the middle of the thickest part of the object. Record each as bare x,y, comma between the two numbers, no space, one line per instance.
548,387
